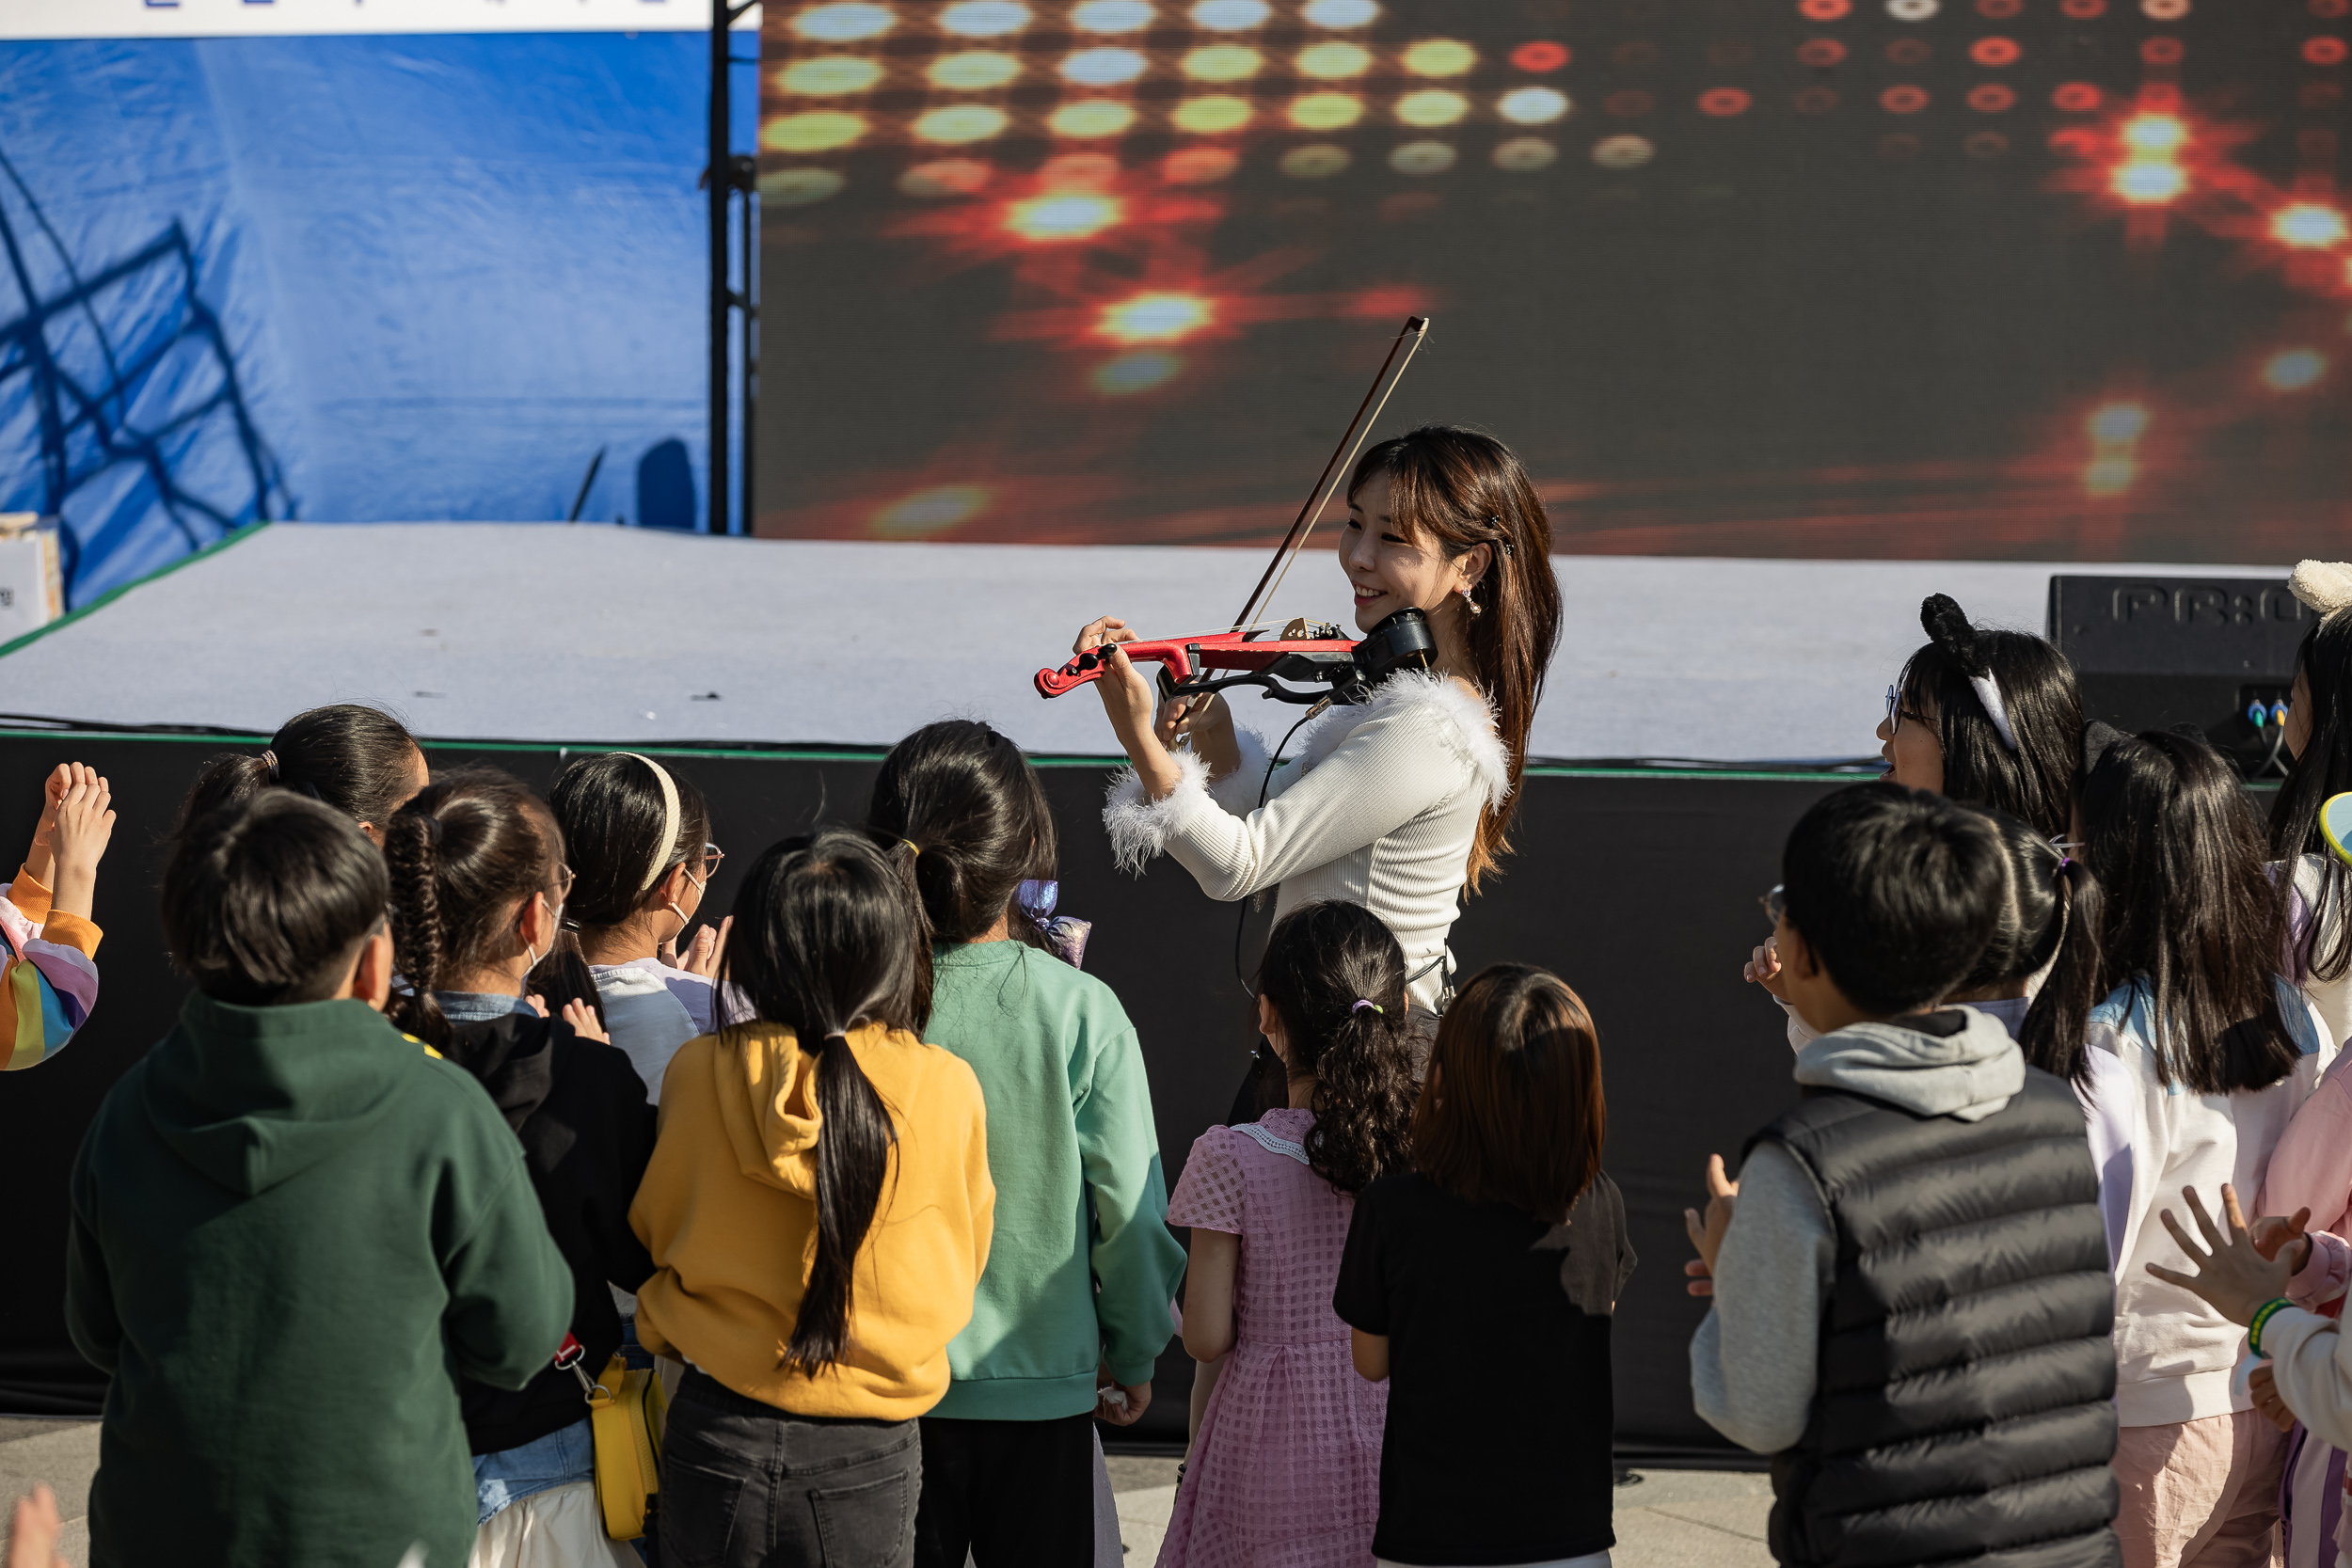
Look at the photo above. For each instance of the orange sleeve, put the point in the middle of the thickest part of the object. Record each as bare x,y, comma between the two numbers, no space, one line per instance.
72,930
30,897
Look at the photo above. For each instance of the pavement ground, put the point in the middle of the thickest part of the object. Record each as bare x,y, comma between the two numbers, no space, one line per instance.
1666,1519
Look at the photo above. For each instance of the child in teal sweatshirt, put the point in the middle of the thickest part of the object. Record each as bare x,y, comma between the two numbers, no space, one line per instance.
1083,1267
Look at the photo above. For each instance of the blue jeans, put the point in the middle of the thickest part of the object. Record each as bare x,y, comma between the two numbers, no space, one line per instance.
510,1475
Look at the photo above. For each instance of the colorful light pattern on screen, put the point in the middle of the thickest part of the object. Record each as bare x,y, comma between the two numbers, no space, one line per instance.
1091,150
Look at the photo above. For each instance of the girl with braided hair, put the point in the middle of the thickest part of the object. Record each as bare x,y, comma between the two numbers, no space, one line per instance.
477,884
1285,1463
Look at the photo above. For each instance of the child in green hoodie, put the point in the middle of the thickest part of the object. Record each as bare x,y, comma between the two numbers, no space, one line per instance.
1083,1267
294,1229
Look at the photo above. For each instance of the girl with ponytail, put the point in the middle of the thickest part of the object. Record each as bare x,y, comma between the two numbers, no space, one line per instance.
478,882
1077,1290
1331,1006
818,1209
359,760
639,844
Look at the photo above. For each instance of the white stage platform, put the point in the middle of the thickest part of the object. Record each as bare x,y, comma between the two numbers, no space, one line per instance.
548,632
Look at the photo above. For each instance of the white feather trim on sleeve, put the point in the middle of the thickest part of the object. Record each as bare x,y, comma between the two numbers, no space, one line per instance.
1239,791
1138,826
1467,721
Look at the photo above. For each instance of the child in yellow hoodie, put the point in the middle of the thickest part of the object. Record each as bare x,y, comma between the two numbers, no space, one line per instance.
818,1209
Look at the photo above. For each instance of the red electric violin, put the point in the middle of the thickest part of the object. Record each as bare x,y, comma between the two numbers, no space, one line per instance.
1309,662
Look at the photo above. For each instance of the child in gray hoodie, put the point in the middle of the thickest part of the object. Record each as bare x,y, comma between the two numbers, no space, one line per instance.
1911,1302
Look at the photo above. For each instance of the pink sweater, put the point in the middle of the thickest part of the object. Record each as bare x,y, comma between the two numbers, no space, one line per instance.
2312,1167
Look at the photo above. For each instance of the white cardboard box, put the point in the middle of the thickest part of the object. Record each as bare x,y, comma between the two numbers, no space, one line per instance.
32,589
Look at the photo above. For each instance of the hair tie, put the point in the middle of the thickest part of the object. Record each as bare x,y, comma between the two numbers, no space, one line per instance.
1362,1002
912,845
669,823
269,760
432,830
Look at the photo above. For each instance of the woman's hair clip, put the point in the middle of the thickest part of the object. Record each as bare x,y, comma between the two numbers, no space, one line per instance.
1494,520
1362,1002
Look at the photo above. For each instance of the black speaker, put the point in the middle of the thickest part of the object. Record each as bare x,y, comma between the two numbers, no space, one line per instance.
2217,652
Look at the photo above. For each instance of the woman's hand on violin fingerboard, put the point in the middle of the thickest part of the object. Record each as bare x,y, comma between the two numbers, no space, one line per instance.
1128,696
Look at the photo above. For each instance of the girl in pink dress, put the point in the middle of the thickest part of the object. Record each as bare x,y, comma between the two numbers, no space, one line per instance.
1285,1471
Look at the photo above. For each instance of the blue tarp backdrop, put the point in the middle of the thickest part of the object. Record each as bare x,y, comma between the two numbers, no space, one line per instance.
347,279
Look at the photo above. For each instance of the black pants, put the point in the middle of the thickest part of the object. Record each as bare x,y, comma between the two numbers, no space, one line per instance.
746,1486
1013,1493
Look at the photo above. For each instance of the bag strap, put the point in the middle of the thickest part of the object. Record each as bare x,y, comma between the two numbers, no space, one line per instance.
569,1356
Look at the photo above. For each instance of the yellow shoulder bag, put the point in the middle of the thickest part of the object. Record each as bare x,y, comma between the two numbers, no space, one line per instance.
625,1411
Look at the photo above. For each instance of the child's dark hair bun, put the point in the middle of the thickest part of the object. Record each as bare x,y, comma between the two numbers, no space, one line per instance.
1946,625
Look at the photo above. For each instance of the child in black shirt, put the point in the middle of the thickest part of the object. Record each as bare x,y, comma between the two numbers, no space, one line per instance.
1480,1284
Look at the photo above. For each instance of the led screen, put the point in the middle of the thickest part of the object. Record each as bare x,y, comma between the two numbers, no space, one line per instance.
2026,279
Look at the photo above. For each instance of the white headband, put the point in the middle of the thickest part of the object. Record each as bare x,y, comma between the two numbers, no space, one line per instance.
1990,695
670,822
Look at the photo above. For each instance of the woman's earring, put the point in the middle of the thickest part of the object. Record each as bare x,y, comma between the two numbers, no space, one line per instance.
1468,603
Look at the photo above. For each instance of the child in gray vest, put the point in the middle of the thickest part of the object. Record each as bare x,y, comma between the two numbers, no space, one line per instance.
1911,1302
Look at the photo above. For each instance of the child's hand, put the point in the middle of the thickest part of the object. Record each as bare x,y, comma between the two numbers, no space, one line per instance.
582,1018
41,858
2233,1279
1706,1235
2270,1232
1763,969
2264,1386
85,823
33,1531
707,951
1120,1405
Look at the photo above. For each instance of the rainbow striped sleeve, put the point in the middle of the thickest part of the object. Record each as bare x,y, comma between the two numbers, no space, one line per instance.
47,986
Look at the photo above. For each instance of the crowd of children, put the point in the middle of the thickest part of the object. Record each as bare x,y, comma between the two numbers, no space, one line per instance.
452,1131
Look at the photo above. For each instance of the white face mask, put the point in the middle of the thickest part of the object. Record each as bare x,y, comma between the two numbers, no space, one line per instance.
531,954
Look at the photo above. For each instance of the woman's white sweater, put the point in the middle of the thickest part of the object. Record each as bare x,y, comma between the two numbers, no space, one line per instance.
1380,808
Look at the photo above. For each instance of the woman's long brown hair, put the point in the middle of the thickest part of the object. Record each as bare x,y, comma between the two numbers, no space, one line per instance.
1459,488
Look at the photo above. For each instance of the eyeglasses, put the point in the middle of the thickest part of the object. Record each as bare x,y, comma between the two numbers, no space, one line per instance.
1896,713
563,878
713,855
1775,905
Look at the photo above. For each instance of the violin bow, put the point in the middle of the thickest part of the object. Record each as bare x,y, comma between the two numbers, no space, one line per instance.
1408,343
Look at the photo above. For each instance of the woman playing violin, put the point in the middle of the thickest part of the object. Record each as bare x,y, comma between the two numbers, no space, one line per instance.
1398,802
